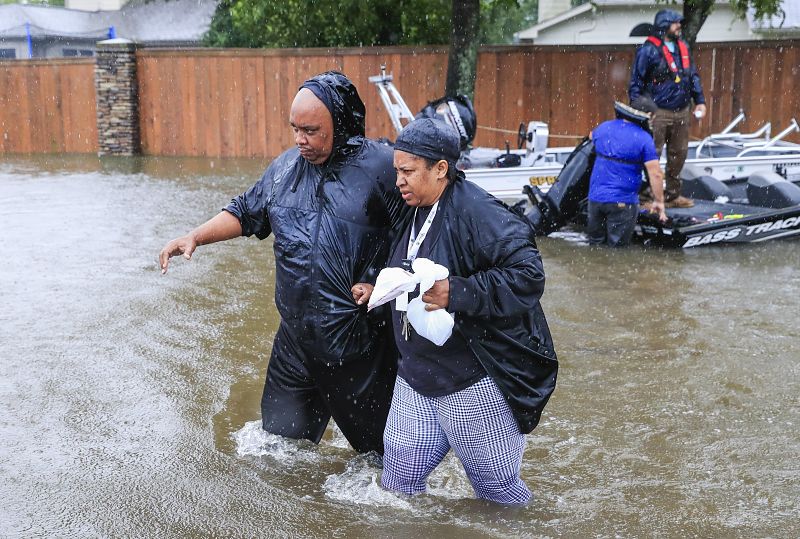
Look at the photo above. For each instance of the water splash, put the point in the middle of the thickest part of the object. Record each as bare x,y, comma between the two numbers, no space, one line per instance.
253,441
335,438
577,238
360,484
449,480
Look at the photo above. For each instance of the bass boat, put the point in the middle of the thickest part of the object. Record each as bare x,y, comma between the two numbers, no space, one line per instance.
763,206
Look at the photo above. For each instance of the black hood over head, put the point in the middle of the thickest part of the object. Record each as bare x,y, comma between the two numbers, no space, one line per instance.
665,18
661,24
340,96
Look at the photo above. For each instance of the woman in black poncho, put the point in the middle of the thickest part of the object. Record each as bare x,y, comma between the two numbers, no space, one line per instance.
485,387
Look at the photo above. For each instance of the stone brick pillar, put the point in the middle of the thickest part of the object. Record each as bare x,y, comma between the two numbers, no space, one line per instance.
117,97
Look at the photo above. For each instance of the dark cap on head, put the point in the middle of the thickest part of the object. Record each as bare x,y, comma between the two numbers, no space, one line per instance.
638,117
430,138
665,17
645,103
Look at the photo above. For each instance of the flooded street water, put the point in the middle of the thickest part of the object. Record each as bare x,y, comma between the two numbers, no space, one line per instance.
129,400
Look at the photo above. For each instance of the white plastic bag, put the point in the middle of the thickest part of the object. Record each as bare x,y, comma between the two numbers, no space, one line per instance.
427,272
436,326
390,284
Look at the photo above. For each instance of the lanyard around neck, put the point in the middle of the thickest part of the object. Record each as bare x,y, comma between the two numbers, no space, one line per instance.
415,239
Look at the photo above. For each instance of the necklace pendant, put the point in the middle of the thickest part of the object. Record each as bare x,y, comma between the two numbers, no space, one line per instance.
677,79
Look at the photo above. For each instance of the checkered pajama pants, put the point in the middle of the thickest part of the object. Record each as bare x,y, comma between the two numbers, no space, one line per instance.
476,422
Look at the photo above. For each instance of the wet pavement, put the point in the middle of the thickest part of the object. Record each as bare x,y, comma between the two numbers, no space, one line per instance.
129,400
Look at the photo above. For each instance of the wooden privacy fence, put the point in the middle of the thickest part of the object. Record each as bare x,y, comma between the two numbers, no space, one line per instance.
235,102
47,106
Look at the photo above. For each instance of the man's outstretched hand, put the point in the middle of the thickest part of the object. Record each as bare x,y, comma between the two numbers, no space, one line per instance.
185,245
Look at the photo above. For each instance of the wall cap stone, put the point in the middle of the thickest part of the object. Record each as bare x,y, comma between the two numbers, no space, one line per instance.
118,43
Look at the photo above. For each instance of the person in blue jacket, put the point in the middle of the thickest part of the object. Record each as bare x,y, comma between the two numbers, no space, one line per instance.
663,71
330,204
485,388
623,149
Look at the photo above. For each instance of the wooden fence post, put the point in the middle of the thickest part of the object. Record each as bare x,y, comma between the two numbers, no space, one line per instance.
117,98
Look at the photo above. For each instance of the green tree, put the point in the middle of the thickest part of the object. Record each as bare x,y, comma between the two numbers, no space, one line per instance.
477,22
695,13
501,20
329,23
223,33
465,24
463,58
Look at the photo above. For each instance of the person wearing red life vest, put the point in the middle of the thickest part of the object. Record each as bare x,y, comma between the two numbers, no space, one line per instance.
663,73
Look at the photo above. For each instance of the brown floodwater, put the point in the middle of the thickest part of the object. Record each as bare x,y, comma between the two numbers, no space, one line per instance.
129,401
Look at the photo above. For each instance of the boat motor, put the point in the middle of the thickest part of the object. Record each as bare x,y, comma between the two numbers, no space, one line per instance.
534,138
563,200
456,111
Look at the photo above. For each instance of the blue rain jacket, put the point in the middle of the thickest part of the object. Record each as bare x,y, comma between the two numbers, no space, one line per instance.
650,75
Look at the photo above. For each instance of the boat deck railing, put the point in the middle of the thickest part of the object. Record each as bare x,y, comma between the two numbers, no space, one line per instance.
744,144
772,145
728,138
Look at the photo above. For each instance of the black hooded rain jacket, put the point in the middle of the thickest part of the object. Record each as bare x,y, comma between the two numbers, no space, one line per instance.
331,225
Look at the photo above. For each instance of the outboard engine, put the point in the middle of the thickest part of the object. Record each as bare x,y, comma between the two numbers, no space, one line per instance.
534,138
562,202
456,111
771,190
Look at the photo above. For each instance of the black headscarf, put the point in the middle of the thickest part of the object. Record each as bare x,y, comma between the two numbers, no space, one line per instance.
430,138
341,98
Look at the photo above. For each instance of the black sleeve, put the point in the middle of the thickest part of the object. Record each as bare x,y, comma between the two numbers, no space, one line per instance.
512,284
251,207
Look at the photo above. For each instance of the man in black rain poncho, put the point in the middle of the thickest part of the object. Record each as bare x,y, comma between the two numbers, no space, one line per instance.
330,204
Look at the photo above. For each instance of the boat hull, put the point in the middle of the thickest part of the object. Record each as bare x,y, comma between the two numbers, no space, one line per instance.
764,226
